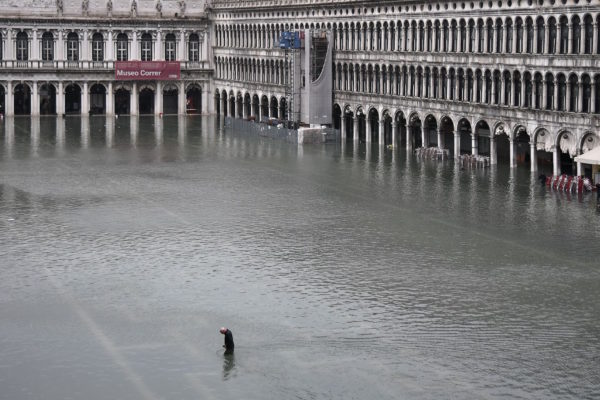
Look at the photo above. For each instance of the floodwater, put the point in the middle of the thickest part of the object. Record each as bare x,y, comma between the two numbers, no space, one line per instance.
344,272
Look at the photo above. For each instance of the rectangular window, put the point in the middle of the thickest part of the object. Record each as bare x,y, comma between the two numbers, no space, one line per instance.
194,51
146,50
47,50
97,50
122,50
170,51
22,50
72,50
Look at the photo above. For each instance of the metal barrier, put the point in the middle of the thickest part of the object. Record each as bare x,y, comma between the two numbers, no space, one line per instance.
276,131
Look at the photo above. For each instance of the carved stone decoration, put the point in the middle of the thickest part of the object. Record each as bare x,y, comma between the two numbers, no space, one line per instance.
134,11
182,7
59,7
159,8
499,130
85,5
109,8
568,143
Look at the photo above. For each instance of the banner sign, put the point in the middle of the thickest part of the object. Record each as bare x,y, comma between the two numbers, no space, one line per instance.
147,70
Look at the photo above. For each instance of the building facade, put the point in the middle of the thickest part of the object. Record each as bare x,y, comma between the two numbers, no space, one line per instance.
517,81
59,58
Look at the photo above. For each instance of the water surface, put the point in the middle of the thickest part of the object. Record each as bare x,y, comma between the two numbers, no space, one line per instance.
344,272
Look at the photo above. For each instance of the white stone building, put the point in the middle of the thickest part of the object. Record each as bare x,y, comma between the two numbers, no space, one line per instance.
515,80
58,56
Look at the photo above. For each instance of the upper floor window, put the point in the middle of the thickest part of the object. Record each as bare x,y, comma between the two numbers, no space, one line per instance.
170,47
122,47
97,47
22,46
194,47
72,47
146,47
47,46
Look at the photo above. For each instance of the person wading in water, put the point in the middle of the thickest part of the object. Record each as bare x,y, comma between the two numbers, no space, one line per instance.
228,340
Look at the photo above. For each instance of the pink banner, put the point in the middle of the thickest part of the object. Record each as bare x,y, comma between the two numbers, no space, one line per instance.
147,70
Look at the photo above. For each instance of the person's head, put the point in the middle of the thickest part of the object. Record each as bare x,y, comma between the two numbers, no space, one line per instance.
223,330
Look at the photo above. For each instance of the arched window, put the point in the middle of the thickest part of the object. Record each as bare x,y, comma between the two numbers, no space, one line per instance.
194,48
574,92
463,36
497,87
576,27
480,32
507,87
72,47
564,35
146,47
528,90
471,48
47,46
529,29
490,36
516,89
539,91
586,86
562,92
445,35
589,34
552,34
122,47
541,34
509,35
499,35
438,36
170,47
97,47
454,36
22,46
519,38
549,92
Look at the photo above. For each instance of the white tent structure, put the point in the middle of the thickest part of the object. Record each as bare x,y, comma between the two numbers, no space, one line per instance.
591,157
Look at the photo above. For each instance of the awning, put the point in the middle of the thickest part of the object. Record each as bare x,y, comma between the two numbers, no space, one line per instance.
591,157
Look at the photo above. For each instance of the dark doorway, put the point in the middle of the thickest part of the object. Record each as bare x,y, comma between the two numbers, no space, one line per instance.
193,102
22,100
73,99
122,101
47,99
170,101
146,105
97,99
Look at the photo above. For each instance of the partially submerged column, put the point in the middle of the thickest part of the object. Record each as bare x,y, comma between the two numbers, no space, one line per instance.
355,129
511,152
456,145
474,146
381,132
555,161
493,153
394,134
533,156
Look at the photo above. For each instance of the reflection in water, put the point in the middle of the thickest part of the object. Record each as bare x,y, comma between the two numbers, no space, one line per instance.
229,370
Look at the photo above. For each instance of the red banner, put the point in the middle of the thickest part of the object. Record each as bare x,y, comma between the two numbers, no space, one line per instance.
147,70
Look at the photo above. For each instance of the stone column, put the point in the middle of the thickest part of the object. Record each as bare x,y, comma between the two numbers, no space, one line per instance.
535,37
570,41
381,137
158,97
502,91
343,127
477,38
440,139
593,99
135,54
568,96
110,100
394,134
133,101
206,103
35,99
544,95
409,141
355,129
85,99
533,157
60,46
493,152
158,46
512,153
10,100
522,101
60,99
547,39
110,47
369,132
595,38
181,104
181,56
35,45
474,148
514,39
424,137
579,106
468,43
555,162
456,145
